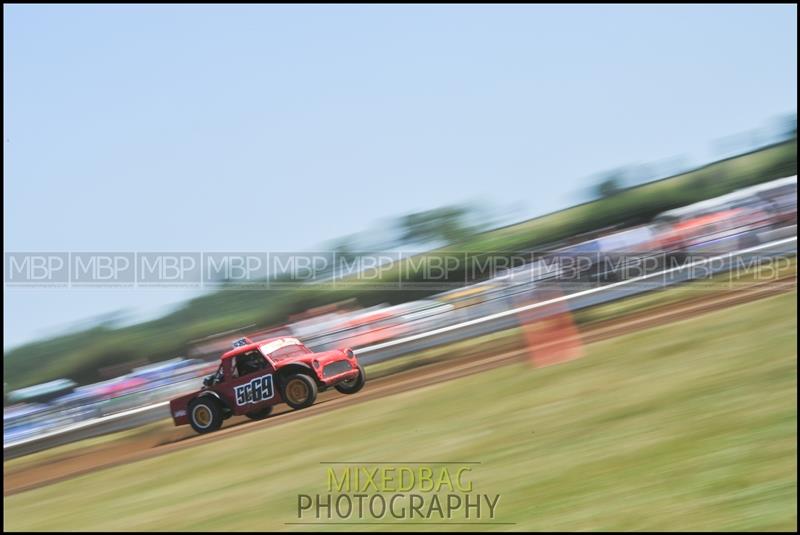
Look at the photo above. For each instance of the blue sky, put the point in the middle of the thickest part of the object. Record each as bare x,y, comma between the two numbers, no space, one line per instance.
251,128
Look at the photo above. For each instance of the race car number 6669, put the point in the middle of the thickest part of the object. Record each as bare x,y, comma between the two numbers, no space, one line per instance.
258,389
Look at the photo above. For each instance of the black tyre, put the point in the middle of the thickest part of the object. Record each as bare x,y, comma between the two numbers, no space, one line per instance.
260,415
299,391
353,385
205,414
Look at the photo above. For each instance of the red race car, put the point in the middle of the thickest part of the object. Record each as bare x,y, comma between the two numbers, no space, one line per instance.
255,376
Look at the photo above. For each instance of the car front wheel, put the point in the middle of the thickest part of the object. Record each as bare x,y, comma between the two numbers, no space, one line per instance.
351,386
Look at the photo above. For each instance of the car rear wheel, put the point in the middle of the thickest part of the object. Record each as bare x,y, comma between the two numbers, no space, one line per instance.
299,391
260,415
205,414
353,385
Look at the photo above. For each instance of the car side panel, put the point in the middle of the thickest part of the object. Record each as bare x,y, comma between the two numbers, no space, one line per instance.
252,392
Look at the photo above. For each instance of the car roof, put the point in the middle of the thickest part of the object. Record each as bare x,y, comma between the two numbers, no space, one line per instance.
278,342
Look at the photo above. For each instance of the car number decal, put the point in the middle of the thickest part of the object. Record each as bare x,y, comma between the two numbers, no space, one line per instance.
255,391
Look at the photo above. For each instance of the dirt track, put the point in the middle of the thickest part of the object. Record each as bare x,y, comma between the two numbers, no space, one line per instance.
24,476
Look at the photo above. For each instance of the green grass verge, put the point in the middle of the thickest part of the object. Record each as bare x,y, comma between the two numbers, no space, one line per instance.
692,425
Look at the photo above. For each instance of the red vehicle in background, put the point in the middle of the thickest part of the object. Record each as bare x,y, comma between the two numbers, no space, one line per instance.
253,377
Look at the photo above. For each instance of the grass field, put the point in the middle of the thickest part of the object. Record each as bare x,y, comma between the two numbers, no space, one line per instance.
687,426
